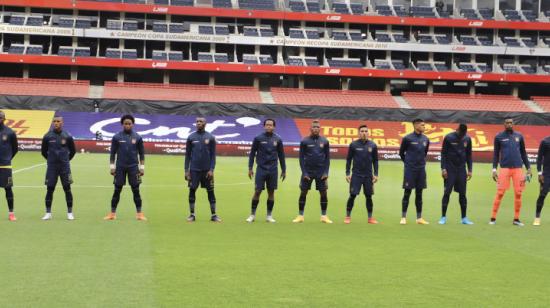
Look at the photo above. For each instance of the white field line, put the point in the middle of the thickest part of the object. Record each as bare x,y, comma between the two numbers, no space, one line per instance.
28,168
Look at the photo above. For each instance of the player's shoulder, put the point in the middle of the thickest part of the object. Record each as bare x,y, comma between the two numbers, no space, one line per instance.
136,135
278,137
372,144
450,135
324,139
67,135
8,130
48,134
117,135
259,137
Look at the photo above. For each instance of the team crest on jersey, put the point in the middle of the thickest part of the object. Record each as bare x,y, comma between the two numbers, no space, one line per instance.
5,137
370,149
465,143
517,139
206,141
274,143
425,143
134,141
322,145
63,141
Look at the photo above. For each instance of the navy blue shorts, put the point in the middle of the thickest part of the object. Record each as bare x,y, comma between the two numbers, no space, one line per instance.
132,173
545,188
58,171
6,178
414,179
456,179
358,182
201,178
266,179
320,185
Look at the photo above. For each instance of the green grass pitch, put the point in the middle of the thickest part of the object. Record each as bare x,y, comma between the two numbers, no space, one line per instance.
167,262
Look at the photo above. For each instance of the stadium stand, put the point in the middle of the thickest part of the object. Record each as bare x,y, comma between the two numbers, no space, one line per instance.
336,98
181,93
543,102
479,102
257,4
44,87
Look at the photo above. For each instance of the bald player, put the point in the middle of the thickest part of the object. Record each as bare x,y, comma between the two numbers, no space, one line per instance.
58,149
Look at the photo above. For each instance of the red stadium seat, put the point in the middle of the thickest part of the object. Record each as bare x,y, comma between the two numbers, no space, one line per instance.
181,93
543,102
44,87
479,102
333,98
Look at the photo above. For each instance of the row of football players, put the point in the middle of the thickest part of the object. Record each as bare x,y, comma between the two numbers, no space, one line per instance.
127,163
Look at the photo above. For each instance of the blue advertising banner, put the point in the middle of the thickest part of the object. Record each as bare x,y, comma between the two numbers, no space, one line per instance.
175,128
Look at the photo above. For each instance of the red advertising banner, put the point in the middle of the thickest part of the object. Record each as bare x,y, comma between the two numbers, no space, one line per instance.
388,134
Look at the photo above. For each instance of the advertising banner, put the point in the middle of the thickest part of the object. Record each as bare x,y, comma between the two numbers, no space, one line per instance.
175,128
166,134
27,123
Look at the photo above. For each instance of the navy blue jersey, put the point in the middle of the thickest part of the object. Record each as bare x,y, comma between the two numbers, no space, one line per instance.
314,156
8,145
58,147
413,151
364,155
267,149
128,149
456,152
200,152
510,151
543,158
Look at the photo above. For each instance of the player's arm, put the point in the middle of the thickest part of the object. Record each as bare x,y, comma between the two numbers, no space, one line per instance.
251,156
14,145
302,158
444,153
212,146
187,163
44,147
469,160
282,161
114,150
403,148
375,163
349,158
540,159
524,155
427,147
72,147
327,159
496,157
141,153
188,150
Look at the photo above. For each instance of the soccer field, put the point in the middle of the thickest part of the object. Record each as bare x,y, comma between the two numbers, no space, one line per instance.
168,262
